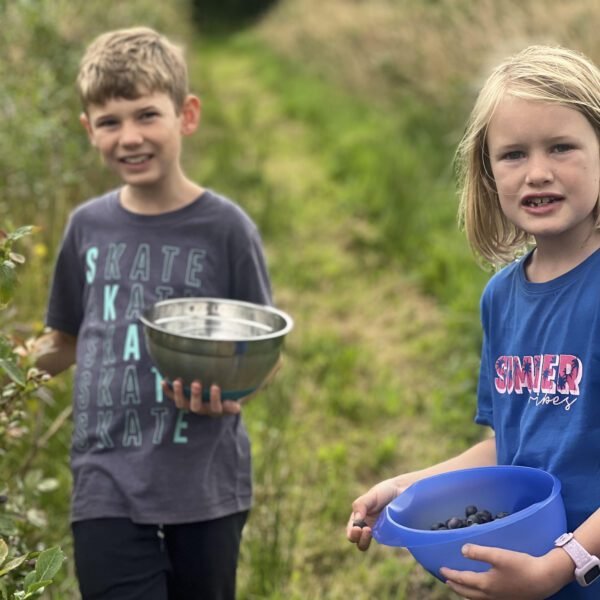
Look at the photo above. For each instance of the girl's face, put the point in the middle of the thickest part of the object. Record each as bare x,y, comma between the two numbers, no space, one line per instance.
545,159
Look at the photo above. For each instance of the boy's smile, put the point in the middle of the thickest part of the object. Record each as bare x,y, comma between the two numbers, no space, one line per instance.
545,159
140,139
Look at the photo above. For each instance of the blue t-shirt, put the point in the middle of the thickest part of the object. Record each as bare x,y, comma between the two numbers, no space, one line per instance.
133,453
539,385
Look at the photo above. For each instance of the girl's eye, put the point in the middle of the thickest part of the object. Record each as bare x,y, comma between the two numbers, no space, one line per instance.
513,155
562,148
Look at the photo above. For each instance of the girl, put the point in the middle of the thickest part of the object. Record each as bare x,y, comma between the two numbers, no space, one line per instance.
529,168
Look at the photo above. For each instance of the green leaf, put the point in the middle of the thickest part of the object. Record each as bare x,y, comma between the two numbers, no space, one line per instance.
3,591
36,517
8,279
48,485
3,551
35,587
48,563
11,565
7,525
16,258
12,371
30,579
21,232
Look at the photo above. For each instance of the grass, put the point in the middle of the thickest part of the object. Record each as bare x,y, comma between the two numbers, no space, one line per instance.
365,364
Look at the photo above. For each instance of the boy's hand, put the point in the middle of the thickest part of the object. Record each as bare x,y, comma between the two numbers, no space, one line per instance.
215,407
513,576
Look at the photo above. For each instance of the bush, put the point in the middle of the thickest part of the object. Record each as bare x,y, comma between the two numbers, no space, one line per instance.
24,571
221,16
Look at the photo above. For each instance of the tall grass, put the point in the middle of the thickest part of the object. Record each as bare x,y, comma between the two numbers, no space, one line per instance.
439,50
366,346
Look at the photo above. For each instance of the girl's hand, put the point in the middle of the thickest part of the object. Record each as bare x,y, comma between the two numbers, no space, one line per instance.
215,407
366,509
513,576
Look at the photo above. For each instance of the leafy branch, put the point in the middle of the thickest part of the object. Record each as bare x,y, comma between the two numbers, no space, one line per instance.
24,573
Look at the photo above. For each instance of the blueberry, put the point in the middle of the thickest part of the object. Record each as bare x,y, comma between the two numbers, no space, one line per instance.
484,516
359,523
474,516
472,520
455,523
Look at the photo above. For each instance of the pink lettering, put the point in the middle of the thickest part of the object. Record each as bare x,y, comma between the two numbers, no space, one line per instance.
549,365
569,374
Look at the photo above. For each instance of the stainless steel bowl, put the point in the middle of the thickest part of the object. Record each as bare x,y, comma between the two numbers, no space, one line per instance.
231,343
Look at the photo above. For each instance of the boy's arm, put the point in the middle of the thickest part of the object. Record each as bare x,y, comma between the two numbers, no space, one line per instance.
54,352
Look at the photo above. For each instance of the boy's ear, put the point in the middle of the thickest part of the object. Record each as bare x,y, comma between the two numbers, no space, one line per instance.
84,120
190,114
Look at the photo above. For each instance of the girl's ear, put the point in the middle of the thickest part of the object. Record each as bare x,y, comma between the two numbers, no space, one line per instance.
190,114
85,121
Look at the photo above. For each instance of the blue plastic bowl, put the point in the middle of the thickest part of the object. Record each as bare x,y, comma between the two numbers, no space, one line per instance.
530,496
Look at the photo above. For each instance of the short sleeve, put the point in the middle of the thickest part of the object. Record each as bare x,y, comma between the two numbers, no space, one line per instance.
65,304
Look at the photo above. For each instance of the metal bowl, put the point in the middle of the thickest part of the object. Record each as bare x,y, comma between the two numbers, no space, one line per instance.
230,343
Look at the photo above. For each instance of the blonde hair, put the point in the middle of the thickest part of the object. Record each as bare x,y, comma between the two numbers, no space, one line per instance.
128,63
539,73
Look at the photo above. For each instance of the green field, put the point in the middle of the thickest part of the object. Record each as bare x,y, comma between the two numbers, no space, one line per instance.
334,125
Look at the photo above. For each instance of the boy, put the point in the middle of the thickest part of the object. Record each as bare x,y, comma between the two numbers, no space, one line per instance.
160,494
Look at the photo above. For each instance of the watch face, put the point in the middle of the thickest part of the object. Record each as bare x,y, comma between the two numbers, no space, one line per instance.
592,574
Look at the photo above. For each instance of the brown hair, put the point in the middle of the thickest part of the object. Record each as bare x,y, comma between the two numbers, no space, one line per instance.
127,63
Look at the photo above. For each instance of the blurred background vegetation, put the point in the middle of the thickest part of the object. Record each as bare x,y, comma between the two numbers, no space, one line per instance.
334,125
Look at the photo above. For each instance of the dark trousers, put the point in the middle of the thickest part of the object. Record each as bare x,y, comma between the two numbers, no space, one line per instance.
116,559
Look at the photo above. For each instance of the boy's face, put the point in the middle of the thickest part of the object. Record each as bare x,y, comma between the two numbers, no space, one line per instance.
140,139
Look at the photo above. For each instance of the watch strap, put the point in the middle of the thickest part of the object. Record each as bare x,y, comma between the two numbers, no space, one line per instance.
574,549
577,552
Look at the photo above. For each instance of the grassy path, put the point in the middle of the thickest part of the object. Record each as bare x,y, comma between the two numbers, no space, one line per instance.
353,402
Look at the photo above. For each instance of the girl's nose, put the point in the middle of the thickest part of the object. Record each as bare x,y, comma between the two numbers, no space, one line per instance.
539,171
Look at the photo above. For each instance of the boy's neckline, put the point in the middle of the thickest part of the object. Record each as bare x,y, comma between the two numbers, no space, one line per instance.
166,203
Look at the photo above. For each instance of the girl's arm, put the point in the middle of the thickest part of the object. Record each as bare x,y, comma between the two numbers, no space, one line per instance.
482,454
368,506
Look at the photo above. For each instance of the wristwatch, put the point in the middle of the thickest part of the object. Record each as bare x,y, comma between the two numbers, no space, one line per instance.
587,566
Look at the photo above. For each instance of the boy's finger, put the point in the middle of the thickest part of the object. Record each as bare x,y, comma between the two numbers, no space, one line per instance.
178,395
231,407
196,397
216,407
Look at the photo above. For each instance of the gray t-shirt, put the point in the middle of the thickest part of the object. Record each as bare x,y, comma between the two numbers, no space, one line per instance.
133,453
